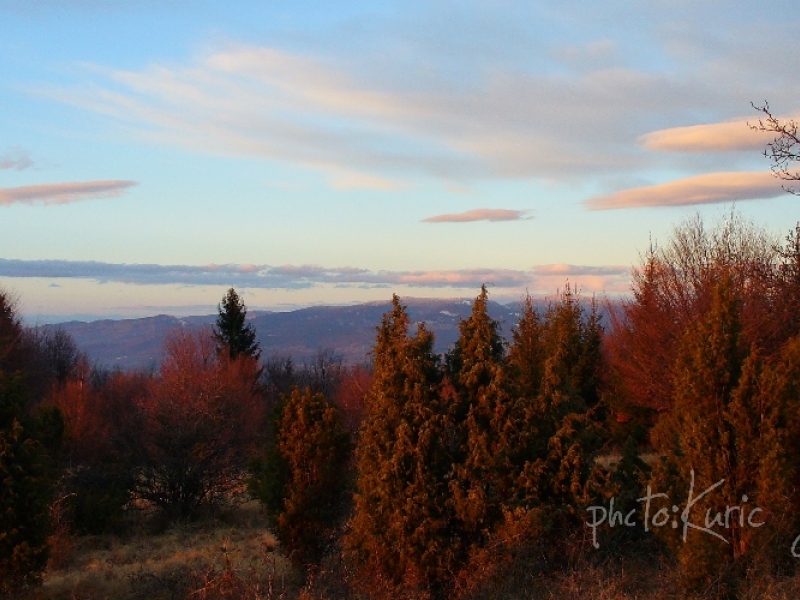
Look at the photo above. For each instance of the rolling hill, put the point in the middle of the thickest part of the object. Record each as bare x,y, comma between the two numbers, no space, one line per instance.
348,330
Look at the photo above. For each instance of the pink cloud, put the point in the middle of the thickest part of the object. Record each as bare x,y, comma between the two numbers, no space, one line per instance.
728,136
710,188
63,193
459,278
480,214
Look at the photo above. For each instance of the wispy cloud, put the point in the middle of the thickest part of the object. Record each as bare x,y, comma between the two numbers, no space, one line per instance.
544,278
338,116
63,193
729,136
17,159
350,180
702,189
480,214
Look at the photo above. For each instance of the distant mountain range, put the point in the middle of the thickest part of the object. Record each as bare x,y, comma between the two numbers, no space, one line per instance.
347,330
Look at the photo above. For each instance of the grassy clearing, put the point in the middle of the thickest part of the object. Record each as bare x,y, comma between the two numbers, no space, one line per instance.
236,557
173,563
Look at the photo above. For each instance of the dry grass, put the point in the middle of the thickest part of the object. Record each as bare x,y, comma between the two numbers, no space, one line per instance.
238,558
644,578
174,563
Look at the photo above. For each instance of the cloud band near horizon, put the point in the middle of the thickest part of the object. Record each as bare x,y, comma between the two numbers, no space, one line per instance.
547,277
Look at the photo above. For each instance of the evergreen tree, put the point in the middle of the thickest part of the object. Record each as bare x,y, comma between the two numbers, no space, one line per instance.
723,428
572,344
315,447
525,464
564,412
526,353
774,439
478,349
400,531
481,471
28,440
24,496
268,471
232,332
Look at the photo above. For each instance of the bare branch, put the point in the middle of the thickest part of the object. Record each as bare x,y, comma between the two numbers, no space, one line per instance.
784,150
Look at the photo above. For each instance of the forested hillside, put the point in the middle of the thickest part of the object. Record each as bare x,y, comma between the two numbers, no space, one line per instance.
653,446
349,330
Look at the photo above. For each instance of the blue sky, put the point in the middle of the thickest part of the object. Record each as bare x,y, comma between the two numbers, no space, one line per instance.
153,154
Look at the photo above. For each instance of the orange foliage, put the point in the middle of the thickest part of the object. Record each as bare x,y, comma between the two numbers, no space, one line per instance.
198,425
350,395
96,420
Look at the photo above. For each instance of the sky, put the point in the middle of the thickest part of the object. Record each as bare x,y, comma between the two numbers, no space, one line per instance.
155,153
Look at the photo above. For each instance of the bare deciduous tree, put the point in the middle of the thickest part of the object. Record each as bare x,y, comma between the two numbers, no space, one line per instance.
784,150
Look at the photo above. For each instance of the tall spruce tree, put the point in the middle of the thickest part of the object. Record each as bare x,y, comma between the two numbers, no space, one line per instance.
232,332
481,476
526,353
400,532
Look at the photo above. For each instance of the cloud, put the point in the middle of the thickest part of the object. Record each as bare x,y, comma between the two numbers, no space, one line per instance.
350,180
464,278
63,193
710,188
15,158
465,97
544,278
368,125
480,214
728,136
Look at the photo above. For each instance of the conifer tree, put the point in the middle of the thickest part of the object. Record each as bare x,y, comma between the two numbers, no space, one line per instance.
481,470
722,429
572,348
232,332
477,350
564,413
526,463
315,448
268,470
775,415
400,531
28,439
526,353
24,495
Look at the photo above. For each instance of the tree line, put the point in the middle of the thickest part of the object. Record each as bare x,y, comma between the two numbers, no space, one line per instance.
422,475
